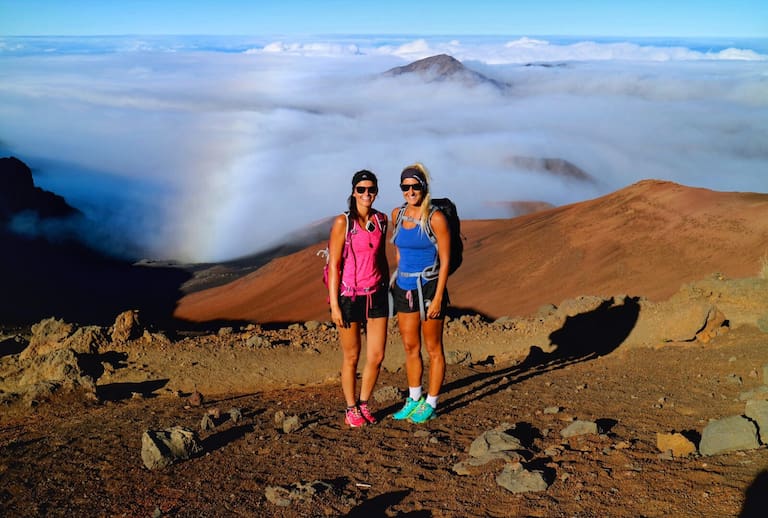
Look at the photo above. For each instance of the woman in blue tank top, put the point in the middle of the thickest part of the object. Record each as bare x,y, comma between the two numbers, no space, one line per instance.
419,290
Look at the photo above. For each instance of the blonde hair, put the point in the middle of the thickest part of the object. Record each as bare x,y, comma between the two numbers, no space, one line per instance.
426,201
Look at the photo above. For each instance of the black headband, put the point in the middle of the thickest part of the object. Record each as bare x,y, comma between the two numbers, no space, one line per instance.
412,172
362,176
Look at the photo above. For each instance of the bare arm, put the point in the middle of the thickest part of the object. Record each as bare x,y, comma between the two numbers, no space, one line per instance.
335,250
395,212
443,236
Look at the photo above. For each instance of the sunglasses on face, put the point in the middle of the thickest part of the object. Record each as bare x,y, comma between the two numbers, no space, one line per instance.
405,187
360,189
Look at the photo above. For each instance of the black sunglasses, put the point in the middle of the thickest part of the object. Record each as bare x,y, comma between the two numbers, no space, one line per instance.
405,187
360,189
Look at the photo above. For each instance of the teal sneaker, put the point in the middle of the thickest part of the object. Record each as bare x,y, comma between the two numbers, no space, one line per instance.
408,408
423,413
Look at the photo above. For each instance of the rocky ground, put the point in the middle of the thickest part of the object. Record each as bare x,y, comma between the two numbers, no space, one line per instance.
74,447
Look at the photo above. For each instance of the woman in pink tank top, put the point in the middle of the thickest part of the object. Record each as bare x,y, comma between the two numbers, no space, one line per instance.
358,293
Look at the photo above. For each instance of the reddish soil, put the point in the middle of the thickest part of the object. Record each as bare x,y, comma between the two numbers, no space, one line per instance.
646,240
72,458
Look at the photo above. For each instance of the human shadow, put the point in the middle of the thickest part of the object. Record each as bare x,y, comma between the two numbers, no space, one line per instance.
756,497
582,337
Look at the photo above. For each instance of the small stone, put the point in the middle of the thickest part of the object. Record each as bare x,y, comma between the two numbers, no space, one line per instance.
195,399
235,415
207,423
579,428
516,479
675,443
291,424
386,394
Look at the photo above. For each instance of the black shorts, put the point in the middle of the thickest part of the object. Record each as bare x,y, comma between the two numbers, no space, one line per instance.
357,308
405,303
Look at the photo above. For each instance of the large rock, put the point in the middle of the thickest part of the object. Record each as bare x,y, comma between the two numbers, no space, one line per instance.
743,301
758,412
53,334
47,335
46,374
126,327
161,448
673,320
733,433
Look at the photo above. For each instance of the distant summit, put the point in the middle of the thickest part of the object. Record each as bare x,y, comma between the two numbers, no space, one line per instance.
443,67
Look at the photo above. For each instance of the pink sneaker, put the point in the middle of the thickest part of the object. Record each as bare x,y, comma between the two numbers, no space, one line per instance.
367,413
354,418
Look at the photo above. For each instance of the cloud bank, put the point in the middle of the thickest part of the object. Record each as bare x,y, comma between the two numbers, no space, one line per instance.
205,149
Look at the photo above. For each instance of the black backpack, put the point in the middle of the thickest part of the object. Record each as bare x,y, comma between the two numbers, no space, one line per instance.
448,208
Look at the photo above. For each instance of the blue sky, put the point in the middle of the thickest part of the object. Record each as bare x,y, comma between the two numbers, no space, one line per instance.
655,18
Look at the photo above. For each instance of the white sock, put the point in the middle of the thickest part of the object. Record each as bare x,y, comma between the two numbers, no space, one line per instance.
432,401
414,393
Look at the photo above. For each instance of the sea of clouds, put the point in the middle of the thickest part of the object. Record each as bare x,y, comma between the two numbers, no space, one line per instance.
210,148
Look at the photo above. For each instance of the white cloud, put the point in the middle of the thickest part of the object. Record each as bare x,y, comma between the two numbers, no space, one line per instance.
210,155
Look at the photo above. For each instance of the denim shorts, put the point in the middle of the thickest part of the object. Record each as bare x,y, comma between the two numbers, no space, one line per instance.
407,301
362,307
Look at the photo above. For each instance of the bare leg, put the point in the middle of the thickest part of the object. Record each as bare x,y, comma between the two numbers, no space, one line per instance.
433,343
350,346
375,342
410,331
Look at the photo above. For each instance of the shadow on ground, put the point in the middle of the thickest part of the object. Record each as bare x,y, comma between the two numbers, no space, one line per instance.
582,338
121,391
756,498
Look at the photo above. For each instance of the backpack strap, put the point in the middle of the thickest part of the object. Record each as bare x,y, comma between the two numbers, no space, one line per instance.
398,223
430,232
380,221
431,272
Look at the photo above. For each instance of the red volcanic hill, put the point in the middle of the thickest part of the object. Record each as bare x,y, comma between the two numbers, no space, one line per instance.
645,240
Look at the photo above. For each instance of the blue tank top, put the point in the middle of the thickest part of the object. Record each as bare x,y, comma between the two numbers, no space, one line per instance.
416,253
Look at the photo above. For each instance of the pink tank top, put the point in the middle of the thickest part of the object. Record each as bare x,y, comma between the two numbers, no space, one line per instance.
361,273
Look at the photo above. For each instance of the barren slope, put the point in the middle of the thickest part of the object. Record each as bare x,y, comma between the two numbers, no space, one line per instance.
644,240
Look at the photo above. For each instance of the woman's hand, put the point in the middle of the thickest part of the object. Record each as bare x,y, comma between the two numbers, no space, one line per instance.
336,317
433,310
